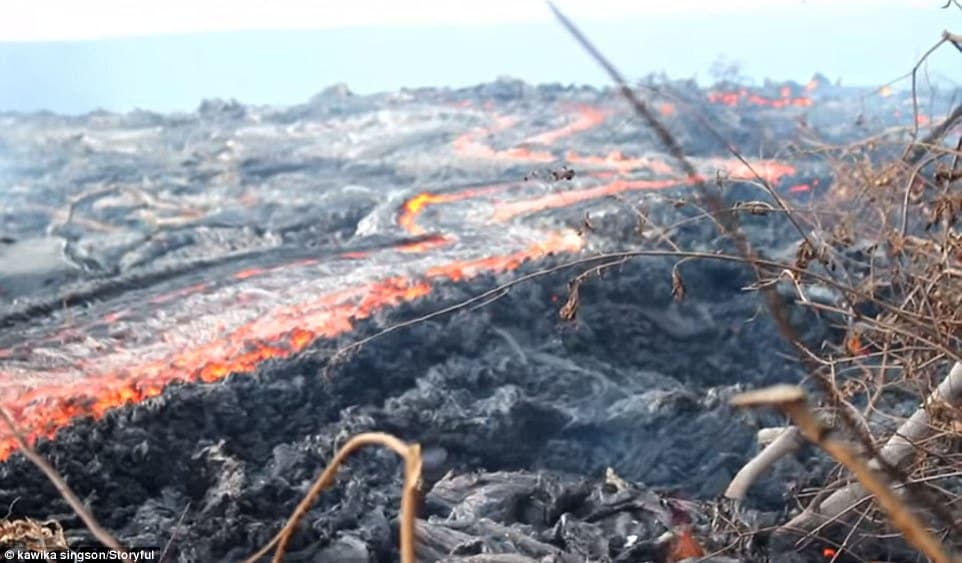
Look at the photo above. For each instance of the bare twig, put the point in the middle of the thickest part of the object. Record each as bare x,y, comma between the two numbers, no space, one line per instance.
411,453
173,534
912,151
729,221
934,136
788,441
896,451
102,535
792,401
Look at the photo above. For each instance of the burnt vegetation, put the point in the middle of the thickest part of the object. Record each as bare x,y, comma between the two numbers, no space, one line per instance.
863,284
889,265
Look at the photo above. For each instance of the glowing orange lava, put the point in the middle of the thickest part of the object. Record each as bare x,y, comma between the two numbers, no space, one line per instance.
44,408
587,118
620,162
426,244
470,145
771,170
41,410
509,210
248,273
414,206
165,297
251,273
745,97
563,241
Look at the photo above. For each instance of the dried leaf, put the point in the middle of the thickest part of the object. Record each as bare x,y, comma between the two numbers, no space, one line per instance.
570,309
804,256
755,207
677,285
564,173
586,223
32,534
854,344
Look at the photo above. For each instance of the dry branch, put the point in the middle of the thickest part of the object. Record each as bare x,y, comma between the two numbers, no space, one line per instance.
792,401
788,441
730,227
934,137
899,448
411,453
102,535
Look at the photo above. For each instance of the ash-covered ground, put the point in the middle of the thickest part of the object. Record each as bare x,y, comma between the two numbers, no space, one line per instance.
173,287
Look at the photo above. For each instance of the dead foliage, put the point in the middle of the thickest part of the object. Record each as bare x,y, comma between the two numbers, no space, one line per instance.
886,265
32,535
793,401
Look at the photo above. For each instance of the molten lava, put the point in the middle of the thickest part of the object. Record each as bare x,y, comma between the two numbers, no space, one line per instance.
771,171
407,218
618,161
40,411
285,306
509,210
564,241
587,118
744,96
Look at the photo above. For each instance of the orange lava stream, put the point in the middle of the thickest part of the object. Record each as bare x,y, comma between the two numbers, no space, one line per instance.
251,273
414,206
618,161
506,211
745,97
770,170
41,410
471,147
562,241
433,242
470,144
587,118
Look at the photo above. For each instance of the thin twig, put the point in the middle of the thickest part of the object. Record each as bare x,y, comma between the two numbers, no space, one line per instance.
411,453
899,447
173,534
787,442
102,535
792,401
730,222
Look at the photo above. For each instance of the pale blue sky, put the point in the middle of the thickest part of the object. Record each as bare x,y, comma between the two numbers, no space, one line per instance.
131,60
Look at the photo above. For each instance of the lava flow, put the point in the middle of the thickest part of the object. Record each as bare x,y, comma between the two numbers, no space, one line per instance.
231,320
744,96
